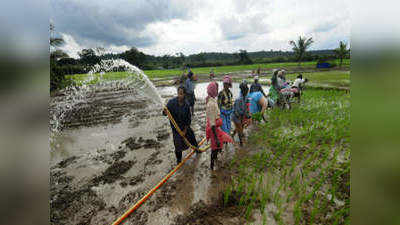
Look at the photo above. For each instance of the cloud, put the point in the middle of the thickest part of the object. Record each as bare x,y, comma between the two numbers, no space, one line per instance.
236,27
325,27
159,27
118,22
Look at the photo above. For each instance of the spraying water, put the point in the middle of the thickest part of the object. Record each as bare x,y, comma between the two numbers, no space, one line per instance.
73,98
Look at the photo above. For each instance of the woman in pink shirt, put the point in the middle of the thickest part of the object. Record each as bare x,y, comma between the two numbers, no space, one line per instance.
214,122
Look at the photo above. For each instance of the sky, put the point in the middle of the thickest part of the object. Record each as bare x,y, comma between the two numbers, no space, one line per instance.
160,27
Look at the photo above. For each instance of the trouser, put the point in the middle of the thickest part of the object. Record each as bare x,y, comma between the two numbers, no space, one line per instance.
190,100
214,157
178,155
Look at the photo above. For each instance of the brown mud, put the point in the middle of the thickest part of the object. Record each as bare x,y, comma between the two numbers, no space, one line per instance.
100,167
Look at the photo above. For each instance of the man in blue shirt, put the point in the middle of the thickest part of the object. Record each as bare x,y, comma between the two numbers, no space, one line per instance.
189,87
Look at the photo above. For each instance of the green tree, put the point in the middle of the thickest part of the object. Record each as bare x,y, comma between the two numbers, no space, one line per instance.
341,52
134,57
244,57
54,42
57,76
300,47
88,57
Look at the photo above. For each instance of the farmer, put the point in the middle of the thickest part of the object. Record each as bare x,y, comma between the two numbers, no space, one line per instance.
225,103
213,130
297,86
284,86
299,81
240,113
189,87
183,78
258,103
212,74
180,111
282,80
273,93
256,86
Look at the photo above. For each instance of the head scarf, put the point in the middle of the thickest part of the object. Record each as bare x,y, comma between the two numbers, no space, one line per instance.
227,79
212,90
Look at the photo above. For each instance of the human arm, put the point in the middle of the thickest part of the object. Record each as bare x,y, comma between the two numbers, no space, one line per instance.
263,103
168,106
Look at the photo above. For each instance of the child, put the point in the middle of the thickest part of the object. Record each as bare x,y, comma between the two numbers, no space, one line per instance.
213,130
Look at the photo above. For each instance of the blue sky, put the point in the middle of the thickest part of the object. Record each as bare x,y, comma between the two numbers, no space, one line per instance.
161,27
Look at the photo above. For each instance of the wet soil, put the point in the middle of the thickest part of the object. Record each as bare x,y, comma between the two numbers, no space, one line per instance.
95,181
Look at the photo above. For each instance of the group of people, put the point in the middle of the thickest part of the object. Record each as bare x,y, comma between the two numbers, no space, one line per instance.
222,110
279,85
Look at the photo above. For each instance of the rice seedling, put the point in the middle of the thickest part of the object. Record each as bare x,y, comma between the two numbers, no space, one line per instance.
301,150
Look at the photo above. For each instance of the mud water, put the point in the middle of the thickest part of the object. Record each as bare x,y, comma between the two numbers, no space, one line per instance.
115,147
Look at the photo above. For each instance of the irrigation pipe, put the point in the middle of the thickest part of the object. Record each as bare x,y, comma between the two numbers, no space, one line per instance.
154,189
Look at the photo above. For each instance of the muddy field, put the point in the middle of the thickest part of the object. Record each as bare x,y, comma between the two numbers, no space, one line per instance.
115,147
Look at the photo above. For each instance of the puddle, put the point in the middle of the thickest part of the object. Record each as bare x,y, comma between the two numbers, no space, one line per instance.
201,89
121,160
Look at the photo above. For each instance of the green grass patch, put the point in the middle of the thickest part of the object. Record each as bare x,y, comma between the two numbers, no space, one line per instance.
328,77
225,69
110,76
303,155
334,78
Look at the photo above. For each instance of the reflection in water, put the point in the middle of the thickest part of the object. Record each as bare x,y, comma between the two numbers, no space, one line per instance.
201,89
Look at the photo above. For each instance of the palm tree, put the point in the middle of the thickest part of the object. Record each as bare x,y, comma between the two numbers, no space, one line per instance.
342,51
55,42
300,47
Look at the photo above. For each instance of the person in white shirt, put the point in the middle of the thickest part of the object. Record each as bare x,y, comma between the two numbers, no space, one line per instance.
298,86
299,81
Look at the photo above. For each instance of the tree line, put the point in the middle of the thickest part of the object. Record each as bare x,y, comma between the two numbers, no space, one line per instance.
61,64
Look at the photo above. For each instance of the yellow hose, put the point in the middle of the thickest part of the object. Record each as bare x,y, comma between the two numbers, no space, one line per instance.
154,189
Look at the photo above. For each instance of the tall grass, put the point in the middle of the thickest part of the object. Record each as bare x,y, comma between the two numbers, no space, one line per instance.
294,162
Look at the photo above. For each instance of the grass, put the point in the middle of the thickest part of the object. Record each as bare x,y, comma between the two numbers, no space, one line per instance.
154,74
334,78
225,69
303,156
110,76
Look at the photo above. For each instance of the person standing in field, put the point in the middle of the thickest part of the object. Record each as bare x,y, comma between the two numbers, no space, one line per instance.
212,74
213,131
225,103
240,113
274,89
182,78
189,87
256,86
180,111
